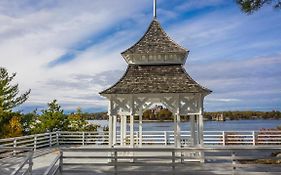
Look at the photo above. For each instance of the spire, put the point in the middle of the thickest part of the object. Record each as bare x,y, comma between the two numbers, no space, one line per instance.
154,8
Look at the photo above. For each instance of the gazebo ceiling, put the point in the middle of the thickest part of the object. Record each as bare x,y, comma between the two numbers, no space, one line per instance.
148,79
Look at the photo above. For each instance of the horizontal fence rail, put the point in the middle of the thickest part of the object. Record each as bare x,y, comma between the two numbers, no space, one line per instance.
219,160
211,138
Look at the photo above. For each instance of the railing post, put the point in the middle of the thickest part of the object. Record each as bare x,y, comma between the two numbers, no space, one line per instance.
115,161
50,139
30,163
14,145
35,142
165,137
223,138
254,137
233,162
83,138
57,137
61,161
173,160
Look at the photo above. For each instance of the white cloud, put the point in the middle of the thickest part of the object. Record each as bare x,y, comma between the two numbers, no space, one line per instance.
35,33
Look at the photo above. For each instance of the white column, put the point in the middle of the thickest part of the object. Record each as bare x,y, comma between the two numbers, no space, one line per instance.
192,130
175,131
114,130
140,129
178,132
201,130
110,131
131,130
110,107
123,130
197,130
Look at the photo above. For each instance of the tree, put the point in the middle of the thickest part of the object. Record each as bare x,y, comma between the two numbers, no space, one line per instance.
250,6
52,119
9,93
13,128
75,121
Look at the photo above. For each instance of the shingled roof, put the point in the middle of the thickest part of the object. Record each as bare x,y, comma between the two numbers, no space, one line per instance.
155,41
140,79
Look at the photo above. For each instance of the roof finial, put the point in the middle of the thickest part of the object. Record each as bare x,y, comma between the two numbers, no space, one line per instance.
154,9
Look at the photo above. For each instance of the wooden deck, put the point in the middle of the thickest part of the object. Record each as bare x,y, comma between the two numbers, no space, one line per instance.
96,160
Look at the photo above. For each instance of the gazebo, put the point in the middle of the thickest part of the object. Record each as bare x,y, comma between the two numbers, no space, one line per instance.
155,74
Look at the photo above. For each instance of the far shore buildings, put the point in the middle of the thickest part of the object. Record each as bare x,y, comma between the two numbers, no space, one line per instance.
155,75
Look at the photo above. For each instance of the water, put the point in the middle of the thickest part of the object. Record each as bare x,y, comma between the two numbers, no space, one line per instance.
229,125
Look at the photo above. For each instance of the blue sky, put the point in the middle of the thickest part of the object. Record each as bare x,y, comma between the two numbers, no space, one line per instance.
69,50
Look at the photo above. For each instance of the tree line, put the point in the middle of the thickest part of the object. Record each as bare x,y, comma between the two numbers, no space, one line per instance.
14,124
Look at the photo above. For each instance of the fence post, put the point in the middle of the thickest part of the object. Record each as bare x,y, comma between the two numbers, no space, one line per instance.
14,145
35,142
115,161
173,160
83,138
233,163
50,139
254,137
30,163
165,137
61,161
223,138
57,137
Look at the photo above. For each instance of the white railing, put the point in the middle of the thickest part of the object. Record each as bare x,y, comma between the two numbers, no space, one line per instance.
55,166
211,138
31,141
25,166
217,160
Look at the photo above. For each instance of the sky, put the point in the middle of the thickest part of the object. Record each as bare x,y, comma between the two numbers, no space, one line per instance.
69,50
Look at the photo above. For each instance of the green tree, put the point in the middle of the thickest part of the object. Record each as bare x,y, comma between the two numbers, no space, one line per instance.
250,6
27,120
52,119
9,93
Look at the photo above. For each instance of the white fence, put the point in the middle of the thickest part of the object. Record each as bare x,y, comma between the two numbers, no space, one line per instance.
211,138
221,160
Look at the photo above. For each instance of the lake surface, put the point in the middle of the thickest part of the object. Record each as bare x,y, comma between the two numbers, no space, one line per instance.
229,125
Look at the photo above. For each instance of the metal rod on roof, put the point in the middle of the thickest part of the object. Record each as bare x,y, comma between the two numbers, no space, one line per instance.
154,8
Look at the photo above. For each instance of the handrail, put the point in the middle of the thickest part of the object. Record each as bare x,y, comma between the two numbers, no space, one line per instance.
147,138
50,170
231,159
27,160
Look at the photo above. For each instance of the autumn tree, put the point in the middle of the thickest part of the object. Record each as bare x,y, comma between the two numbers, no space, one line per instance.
250,6
10,124
9,97
75,121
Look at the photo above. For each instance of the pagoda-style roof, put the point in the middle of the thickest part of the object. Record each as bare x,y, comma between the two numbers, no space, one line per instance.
155,47
154,41
140,79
